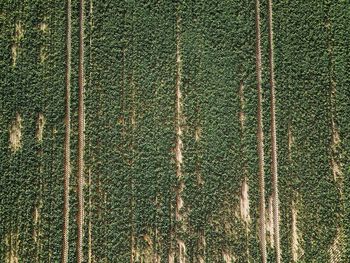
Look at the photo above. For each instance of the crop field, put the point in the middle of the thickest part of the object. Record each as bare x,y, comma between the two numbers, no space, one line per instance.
187,131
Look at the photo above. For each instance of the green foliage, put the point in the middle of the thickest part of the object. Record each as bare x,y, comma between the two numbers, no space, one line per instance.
32,104
339,13
305,74
137,53
218,57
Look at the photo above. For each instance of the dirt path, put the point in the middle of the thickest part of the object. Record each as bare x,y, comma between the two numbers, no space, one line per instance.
275,199
81,120
260,137
67,167
90,227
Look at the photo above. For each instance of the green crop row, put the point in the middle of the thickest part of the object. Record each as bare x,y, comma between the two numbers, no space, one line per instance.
108,191
218,61
338,15
304,48
32,110
129,130
152,76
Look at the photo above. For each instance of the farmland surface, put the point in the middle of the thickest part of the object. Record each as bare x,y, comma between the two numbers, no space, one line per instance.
174,131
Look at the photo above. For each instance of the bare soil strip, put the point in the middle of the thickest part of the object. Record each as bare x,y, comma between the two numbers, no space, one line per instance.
81,124
295,238
19,35
67,168
244,204
337,248
12,243
244,196
297,250
241,104
178,146
15,133
269,222
260,137
275,199
40,124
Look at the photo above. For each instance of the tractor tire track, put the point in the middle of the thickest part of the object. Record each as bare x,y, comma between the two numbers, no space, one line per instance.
81,124
260,137
67,168
274,162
